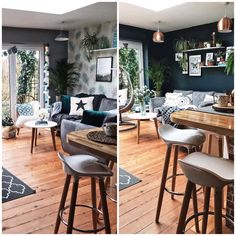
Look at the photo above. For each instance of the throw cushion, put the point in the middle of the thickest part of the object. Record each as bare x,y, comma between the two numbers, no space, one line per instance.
198,97
108,104
25,109
65,99
111,116
79,105
183,101
123,96
95,118
208,100
171,99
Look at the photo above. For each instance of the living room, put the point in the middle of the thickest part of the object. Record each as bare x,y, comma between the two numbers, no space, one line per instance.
181,45
58,63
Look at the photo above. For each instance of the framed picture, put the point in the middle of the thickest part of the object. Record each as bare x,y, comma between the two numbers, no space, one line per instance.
228,51
194,65
104,69
209,56
178,56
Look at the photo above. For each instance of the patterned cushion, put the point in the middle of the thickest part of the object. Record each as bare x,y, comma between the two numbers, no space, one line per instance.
25,109
183,101
78,105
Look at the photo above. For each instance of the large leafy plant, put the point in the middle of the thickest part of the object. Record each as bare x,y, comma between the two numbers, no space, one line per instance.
158,72
64,76
229,69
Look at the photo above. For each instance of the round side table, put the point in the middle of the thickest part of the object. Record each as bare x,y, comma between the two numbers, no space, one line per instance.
35,127
139,118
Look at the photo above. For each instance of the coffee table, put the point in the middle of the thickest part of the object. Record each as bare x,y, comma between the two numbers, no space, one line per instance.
35,127
139,118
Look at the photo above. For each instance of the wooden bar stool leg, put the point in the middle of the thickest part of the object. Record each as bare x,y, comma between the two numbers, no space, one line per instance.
163,182
209,143
72,207
184,208
94,202
220,145
206,209
218,210
195,207
174,172
62,203
104,206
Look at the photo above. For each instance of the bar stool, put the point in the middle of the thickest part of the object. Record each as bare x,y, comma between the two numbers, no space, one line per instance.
210,172
78,166
172,136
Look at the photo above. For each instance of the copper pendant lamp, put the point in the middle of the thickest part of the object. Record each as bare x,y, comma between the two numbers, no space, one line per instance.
158,36
225,24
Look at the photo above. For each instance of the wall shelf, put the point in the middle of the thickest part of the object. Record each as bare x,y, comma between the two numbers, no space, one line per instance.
203,49
213,66
104,49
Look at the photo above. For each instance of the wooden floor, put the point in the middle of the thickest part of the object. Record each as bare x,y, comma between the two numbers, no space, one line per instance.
43,172
138,202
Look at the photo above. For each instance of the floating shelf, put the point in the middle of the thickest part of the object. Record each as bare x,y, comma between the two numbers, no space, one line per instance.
104,49
202,49
213,66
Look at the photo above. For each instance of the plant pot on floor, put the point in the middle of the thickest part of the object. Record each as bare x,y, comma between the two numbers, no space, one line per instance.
8,132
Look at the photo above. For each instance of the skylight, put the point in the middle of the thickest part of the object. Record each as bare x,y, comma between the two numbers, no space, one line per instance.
46,6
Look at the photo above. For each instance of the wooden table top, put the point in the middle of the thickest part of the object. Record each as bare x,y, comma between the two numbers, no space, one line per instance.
80,140
220,124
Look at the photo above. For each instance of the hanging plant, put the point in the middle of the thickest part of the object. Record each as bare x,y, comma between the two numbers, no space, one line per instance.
89,43
181,45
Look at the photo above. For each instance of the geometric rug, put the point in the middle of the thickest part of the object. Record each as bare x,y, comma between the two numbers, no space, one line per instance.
126,179
13,188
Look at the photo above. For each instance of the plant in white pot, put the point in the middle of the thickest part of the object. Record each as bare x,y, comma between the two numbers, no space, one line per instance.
8,128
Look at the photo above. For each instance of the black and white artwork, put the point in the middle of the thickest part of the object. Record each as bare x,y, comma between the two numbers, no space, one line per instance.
194,65
104,69
178,56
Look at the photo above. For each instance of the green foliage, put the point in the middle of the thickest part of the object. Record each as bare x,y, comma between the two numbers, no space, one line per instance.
129,61
27,71
63,76
158,72
181,45
7,121
89,42
144,94
229,69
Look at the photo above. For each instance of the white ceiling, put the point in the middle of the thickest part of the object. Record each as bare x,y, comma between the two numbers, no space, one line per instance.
96,13
182,16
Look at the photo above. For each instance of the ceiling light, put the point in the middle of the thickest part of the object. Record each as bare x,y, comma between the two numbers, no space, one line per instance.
62,36
225,24
158,36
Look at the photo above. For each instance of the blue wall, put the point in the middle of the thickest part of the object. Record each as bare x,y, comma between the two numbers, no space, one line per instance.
211,79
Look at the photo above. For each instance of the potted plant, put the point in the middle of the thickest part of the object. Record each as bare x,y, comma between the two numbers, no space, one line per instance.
158,72
8,128
181,45
65,75
210,62
89,43
229,69
220,56
219,42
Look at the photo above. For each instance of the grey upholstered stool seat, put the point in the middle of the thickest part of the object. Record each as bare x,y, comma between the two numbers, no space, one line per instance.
193,140
210,172
78,166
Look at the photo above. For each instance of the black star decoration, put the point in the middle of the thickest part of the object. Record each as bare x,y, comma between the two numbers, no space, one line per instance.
80,105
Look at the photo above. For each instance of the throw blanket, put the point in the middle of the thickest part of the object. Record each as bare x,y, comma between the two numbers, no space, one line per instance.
166,111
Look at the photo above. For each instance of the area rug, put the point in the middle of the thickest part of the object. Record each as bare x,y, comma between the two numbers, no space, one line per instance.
13,188
126,179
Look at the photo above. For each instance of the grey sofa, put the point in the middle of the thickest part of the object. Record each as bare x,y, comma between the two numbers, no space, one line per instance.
70,125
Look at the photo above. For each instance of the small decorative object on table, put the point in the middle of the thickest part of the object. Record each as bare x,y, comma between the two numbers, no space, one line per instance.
142,96
8,128
42,114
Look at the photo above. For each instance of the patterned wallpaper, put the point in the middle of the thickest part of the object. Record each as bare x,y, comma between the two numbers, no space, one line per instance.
77,54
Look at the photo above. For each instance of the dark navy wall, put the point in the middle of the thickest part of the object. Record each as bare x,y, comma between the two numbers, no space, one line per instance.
58,50
211,79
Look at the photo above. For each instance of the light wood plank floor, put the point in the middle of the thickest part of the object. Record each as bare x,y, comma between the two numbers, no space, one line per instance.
138,202
43,172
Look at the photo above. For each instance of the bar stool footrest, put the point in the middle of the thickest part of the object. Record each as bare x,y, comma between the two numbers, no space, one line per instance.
78,229
203,213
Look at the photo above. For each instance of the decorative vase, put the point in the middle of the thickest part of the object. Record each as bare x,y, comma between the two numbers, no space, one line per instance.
142,108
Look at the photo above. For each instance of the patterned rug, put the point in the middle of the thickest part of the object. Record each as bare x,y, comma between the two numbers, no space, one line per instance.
127,180
13,188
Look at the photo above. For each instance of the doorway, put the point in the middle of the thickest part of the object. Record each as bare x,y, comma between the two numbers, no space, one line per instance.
22,73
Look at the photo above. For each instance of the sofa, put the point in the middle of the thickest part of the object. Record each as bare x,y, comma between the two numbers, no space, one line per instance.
181,100
61,110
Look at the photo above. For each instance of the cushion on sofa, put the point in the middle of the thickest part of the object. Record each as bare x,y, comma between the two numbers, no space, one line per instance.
96,101
65,100
198,97
79,105
184,92
95,118
24,109
108,104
